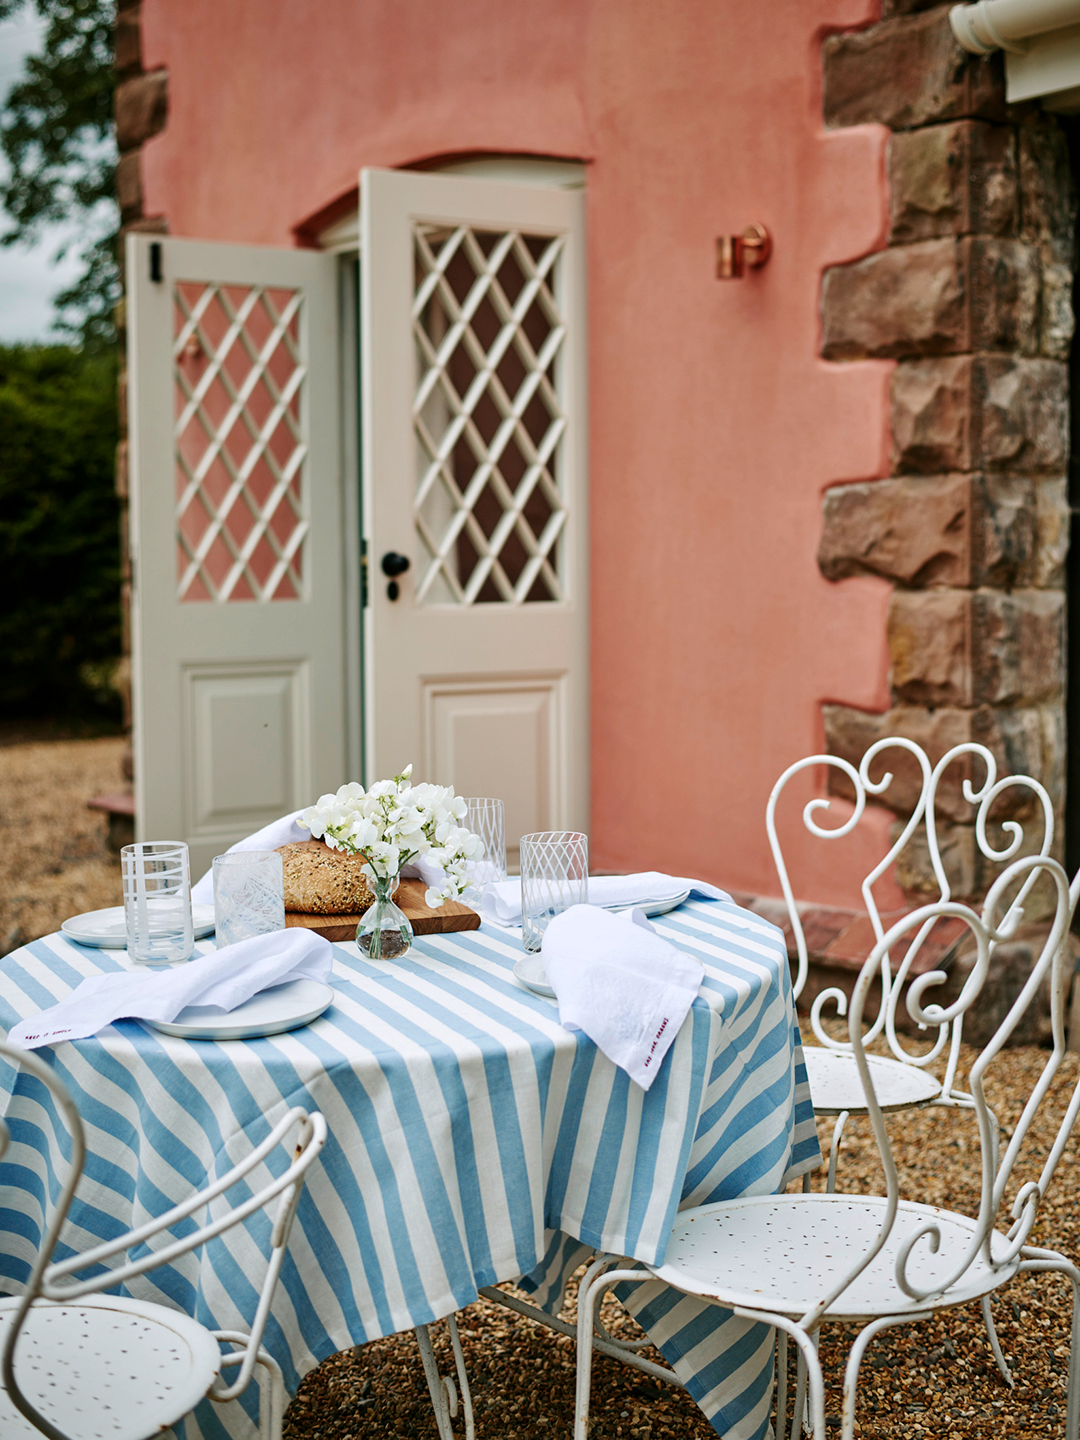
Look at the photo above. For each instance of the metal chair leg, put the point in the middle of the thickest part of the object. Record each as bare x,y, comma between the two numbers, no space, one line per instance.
995,1343
441,1388
463,1378
855,1356
834,1153
597,1278
1038,1260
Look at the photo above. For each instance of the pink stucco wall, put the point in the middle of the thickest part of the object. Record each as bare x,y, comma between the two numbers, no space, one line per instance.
715,427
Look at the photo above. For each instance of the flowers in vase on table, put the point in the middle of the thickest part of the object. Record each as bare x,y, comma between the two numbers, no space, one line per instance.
395,822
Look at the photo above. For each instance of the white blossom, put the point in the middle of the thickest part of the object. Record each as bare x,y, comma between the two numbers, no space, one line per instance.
394,822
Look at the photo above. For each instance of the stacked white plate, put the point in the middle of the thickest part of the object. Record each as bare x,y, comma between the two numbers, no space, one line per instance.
107,930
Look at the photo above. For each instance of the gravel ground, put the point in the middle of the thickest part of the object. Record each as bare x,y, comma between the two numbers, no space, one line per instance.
54,861
936,1378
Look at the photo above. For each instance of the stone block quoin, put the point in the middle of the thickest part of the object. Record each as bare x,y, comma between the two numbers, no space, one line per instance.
972,299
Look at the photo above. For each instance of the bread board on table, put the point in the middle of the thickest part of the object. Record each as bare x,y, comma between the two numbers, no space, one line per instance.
409,898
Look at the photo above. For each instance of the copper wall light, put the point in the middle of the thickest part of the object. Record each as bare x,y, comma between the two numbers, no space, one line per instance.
736,253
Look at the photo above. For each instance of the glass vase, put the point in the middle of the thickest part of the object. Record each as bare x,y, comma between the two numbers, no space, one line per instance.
384,932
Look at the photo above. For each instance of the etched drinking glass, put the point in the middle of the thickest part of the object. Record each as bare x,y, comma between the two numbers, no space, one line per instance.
554,876
249,895
486,818
157,901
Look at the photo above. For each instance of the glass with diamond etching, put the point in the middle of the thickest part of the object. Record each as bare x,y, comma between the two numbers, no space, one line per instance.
249,895
486,818
554,876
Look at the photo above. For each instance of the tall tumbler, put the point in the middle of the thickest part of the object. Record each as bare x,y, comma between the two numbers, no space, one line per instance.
157,901
486,818
249,895
554,876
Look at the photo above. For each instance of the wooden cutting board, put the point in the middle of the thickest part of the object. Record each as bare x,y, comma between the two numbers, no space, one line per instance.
410,899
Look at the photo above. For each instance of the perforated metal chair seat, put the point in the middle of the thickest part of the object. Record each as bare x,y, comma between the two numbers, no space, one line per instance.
784,1252
105,1368
835,1083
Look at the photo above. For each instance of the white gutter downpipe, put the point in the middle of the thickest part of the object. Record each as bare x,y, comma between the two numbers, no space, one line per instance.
1005,24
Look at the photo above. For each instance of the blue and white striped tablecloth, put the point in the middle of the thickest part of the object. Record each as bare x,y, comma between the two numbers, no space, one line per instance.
472,1140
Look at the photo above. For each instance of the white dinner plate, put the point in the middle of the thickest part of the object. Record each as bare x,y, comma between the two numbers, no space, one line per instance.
652,907
106,930
285,1007
530,971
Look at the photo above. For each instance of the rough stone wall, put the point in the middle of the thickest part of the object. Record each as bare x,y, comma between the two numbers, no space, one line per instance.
973,299
141,110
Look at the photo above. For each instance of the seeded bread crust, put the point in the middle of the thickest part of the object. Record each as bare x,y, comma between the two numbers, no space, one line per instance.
321,881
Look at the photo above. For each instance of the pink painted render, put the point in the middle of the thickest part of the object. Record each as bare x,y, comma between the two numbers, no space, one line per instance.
715,426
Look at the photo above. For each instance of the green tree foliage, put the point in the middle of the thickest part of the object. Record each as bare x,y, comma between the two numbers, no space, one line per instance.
57,136
59,550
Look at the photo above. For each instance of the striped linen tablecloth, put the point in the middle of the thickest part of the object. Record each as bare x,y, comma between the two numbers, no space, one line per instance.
472,1141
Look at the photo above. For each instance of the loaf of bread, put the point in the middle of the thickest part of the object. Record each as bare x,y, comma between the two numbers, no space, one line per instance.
321,881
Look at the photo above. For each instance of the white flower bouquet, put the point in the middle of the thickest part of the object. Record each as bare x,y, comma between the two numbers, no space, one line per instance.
395,822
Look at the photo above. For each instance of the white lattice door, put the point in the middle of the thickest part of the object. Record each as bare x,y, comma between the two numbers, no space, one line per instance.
236,537
474,450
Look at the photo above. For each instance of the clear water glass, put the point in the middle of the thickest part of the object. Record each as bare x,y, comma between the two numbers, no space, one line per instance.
157,901
249,895
554,876
487,819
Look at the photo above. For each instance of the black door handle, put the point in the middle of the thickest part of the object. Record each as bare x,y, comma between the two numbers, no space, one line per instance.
394,564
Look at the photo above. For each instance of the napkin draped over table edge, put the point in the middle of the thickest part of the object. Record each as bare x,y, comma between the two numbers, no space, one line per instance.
217,982
622,983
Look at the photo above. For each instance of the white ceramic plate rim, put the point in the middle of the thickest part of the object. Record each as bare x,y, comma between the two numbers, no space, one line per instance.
651,907
529,970
86,933
271,1012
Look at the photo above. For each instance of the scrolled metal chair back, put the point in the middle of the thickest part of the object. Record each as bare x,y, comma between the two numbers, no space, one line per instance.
997,1169
924,812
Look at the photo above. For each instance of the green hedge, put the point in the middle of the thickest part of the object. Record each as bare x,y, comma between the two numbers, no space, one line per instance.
59,533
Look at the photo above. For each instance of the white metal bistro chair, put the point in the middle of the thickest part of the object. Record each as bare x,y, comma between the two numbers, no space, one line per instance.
786,1260
79,1365
902,1082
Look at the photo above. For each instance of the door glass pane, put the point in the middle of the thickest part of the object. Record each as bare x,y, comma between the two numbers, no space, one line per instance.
487,415
238,377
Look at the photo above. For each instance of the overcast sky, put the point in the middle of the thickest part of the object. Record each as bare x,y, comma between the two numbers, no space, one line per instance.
28,278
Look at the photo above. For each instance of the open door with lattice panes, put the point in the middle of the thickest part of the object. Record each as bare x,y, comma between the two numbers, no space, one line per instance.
473,384
236,537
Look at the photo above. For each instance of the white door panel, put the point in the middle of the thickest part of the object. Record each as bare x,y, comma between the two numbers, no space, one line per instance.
237,539
474,426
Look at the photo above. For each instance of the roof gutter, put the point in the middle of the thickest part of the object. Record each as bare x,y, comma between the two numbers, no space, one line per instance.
1041,40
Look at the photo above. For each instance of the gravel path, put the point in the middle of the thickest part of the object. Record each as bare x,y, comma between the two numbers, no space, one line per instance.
936,1378
54,861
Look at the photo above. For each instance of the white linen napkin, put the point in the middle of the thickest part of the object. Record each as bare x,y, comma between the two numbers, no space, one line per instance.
623,984
279,832
502,902
221,980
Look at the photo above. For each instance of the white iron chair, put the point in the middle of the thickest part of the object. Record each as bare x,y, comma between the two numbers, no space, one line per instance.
74,1367
785,1259
901,1083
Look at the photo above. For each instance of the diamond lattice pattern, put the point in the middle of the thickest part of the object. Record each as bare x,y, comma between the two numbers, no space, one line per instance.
240,445
487,415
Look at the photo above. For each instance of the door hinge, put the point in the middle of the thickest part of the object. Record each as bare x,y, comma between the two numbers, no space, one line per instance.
156,273
363,575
